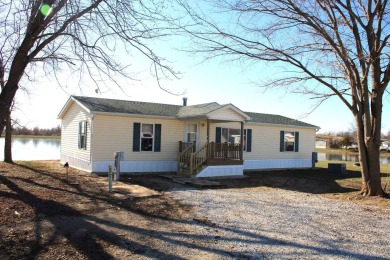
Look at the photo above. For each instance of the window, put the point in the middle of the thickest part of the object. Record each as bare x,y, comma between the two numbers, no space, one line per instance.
192,133
233,135
289,141
147,137
83,135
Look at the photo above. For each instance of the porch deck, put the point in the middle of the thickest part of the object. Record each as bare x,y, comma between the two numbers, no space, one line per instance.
221,161
210,154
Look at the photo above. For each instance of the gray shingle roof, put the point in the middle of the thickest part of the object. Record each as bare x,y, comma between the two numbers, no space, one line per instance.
128,107
198,110
157,109
276,120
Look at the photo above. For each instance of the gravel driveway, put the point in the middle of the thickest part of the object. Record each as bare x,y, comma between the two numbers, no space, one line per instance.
276,223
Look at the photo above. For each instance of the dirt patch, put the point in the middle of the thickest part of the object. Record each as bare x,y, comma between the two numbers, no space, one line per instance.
42,215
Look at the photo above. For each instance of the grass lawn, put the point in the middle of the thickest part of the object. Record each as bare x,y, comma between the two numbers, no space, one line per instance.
353,177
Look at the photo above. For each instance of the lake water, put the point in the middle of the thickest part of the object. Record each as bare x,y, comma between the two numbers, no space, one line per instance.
27,149
347,157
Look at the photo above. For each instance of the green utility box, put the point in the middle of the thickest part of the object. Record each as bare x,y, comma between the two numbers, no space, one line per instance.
337,168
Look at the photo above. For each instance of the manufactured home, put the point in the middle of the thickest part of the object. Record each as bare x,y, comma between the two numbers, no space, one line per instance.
202,140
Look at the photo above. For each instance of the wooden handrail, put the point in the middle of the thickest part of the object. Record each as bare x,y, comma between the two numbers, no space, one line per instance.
198,158
224,151
184,157
185,145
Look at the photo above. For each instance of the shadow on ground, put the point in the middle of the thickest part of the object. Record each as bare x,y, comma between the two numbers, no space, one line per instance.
318,181
45,217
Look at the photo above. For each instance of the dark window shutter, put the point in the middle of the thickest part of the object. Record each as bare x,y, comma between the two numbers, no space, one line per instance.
157,137
282,141
296,135
85,135
136,137
218,132
80,125
249,140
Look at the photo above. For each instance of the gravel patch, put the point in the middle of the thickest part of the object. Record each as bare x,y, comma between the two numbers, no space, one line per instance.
275,224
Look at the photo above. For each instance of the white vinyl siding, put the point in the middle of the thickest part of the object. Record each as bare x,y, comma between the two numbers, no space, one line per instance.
203,133
115,133
70,133
266,141
227,114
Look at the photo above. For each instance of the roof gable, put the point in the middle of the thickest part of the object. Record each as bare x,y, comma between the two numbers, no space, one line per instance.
68,104
229,113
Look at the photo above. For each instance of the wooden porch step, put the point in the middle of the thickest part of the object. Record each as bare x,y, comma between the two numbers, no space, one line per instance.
185,172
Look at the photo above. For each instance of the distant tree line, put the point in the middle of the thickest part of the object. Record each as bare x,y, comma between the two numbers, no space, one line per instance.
344,139
22,130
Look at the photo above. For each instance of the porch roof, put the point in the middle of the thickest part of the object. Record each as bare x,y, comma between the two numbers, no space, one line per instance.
211,110
215,111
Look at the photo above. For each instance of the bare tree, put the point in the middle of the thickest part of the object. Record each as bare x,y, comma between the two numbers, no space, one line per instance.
8,124
347,140
329,48
8,140
80,37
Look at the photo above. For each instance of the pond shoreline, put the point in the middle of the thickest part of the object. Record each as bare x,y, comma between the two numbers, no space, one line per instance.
35,136
343,151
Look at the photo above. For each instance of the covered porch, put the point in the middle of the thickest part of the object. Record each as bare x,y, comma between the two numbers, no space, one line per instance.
222,147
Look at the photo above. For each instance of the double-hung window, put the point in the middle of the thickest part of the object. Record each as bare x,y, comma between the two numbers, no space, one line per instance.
192,133
289,141
83,135
146,137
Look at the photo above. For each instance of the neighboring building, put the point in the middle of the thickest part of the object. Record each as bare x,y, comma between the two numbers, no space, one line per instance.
385,146
321,143
171,138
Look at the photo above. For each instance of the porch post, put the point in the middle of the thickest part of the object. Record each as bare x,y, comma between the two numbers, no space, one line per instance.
208,140
242,141
208,131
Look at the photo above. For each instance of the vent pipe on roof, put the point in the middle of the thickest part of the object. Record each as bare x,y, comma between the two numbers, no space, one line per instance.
184,101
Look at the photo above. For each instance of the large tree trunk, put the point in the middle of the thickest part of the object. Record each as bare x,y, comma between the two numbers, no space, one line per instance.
371,177
7,96
8,141
370,164
16,72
